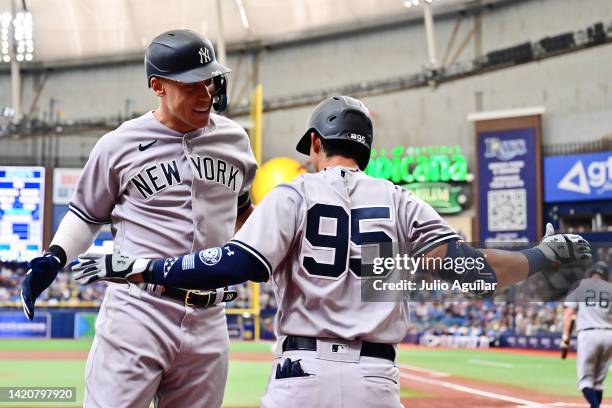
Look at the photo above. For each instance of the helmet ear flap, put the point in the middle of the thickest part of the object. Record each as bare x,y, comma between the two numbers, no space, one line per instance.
220,98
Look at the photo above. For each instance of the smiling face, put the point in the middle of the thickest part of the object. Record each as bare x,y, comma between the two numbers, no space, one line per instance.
183,107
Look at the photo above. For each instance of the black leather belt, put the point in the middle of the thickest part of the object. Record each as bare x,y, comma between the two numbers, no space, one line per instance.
198,298
368,349
597,328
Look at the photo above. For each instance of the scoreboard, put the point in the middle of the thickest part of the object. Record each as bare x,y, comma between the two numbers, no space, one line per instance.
22,192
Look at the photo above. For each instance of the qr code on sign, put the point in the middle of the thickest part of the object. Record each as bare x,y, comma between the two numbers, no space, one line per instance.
507,210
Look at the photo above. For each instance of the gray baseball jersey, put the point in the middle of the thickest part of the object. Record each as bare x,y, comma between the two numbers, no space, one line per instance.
312,248
165,193
593,299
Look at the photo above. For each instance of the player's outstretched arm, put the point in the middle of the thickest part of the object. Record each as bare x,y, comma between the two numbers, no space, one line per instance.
73,236
509,267
495,267
208,269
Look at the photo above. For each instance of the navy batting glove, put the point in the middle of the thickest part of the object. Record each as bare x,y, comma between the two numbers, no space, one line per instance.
42,273
290,369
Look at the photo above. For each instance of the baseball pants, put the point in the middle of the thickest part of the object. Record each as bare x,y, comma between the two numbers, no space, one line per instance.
593,358
335,382
156,349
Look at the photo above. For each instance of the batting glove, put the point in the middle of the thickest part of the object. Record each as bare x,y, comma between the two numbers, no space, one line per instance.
561,249
43,271
113,268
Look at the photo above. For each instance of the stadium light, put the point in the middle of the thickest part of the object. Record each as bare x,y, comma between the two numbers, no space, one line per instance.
22,36
416,3
5,21
243,15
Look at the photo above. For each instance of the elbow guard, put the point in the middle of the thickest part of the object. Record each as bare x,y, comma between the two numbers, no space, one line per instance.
208,269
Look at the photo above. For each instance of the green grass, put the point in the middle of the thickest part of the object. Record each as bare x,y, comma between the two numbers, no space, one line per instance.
547,374
251,346
409,393
45,344
246,383
48,373
85,344
247,380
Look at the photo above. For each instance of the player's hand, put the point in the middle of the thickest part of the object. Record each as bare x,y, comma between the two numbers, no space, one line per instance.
561,249
39,277
565,343
114,268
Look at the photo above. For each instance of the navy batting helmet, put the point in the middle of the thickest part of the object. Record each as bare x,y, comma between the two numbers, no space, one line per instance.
600,268
341,118
185,56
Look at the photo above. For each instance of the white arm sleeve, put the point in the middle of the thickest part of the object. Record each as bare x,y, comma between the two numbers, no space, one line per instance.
74,235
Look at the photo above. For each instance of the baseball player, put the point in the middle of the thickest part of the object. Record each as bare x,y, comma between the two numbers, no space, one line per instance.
590,304
334,350
173,180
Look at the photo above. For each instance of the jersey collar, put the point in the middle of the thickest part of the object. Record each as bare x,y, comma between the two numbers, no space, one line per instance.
210,127
354,170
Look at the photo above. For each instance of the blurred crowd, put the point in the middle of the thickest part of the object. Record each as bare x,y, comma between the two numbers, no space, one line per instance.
486,318
437,316
474,317
64,290
68,292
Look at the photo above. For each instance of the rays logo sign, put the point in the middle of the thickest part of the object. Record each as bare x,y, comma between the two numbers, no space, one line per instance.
583,177
504,149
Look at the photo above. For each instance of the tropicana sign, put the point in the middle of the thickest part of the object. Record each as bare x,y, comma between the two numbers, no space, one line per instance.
436,174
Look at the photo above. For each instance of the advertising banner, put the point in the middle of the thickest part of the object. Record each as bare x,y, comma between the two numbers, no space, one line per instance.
84,324
64,181
437,175
579,177
22,197
15,324
540,342
507,185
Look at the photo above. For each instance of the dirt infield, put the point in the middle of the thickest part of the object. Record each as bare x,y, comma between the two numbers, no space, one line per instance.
82,355
251,356
43,355
446,391
523,351
530,352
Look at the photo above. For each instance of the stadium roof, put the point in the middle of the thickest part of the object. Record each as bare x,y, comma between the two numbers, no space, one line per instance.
84,29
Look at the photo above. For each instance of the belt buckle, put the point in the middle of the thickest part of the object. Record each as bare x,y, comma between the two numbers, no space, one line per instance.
187,294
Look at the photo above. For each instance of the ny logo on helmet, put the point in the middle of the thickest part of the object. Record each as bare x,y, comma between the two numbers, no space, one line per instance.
204,55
